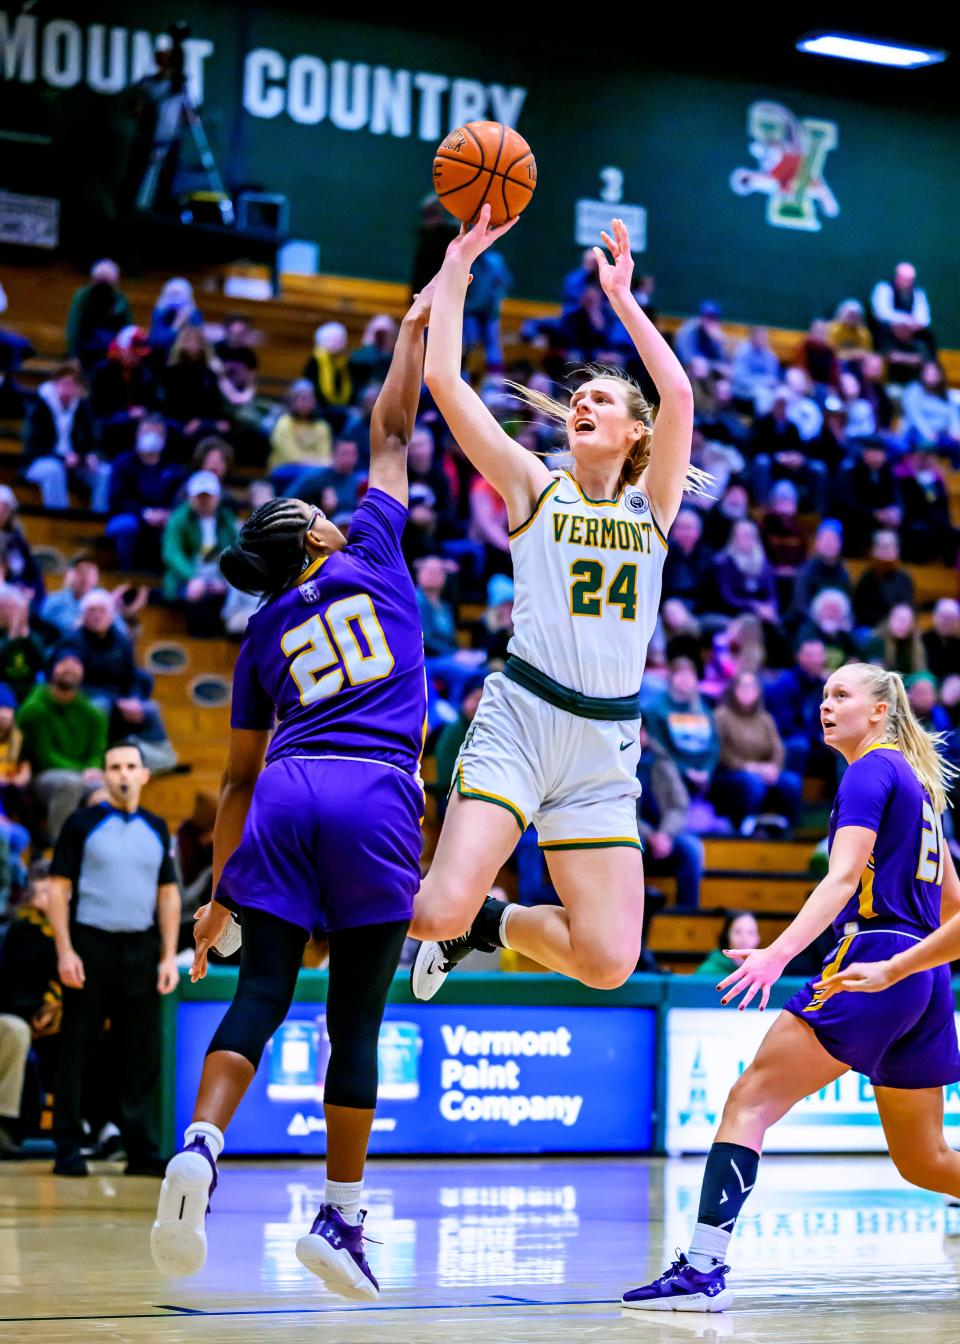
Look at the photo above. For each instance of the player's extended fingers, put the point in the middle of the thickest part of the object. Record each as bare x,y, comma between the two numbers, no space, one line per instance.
607,242
601,257
733,977
750,995
501,229
623,238
764,997
734,990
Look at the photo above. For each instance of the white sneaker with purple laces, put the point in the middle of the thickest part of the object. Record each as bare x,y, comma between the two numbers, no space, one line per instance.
333,1250
683,1288
178,1238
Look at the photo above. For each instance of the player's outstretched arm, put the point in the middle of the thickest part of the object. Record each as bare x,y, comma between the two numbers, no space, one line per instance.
762,968
937,949
248,749
670,449
395,413
517,476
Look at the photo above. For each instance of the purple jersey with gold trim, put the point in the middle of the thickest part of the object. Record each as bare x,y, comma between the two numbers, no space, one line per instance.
902,883
337,659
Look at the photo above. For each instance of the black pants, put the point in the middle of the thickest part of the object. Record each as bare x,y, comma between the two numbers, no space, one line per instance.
120,984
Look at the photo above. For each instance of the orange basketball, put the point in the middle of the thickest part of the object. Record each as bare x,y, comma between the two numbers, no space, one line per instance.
484,163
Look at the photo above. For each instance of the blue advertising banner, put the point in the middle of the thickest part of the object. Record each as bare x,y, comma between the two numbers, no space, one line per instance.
477,1078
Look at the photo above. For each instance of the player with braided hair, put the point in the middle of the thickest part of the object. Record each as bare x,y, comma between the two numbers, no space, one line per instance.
334,656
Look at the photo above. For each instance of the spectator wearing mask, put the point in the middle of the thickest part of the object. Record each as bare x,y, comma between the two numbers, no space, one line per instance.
818,358
481,313
901,322
115,911
112,681
16,557
688,568
98,311
930,418
751,781
793,699
64,738
755,370
824,569
122,390
174,311
740,933
883,584
299,440
926,531
30,1004
669,848
866,496
745,577
191,389
682,722
941,642
197,532
341,478
849,335
328,372
831,622
702,338
143,487
59,443
896,643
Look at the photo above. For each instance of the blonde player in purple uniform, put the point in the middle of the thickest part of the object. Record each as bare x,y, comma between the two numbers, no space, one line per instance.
318,827
890,883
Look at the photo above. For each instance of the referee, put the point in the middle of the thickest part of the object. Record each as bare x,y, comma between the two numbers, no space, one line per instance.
115,911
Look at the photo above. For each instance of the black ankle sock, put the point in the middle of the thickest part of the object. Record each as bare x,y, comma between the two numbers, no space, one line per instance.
729,1177
485,929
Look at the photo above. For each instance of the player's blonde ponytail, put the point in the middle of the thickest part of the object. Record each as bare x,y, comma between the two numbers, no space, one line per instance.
921,749
638,408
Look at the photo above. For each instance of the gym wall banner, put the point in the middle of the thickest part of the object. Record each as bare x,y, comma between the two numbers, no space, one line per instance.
456,1079
708,1049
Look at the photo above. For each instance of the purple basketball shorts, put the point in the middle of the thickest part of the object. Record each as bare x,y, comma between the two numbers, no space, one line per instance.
328,844
905,1036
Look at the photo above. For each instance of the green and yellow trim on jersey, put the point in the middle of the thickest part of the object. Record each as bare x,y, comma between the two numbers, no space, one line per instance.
600,842
518,531
656,528
481,796
596,503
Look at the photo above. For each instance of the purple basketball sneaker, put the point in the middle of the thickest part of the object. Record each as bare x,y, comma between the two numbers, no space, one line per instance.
333,1250
683,1288
178,1238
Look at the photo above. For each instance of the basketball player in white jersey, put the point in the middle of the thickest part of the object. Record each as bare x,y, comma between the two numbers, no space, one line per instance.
554,742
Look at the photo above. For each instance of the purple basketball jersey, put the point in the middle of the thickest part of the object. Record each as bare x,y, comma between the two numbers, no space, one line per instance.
902,883
337,659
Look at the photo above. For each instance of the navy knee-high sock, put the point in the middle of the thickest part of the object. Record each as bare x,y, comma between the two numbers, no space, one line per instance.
730,1175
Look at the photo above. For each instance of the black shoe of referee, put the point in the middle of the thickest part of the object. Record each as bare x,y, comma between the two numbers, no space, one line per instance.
435,960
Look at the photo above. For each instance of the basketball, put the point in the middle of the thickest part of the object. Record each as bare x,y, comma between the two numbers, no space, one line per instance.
484,163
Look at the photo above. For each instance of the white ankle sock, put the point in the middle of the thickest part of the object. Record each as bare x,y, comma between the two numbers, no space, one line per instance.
345,1198
708,1247
504,919
202,1129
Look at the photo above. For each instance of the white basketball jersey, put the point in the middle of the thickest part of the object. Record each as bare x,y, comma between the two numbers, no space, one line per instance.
587,577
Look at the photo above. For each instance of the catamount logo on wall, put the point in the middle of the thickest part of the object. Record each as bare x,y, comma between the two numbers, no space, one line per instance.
790,154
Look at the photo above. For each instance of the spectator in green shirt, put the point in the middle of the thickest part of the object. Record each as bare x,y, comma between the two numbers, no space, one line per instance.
740,933
64,739
195,535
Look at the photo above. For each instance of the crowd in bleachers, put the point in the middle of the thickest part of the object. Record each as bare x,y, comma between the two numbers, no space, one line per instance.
838,455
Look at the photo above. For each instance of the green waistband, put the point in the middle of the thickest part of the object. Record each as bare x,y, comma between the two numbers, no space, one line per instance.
585,706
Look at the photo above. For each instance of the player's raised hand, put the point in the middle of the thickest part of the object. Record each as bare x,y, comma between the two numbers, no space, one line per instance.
615,279
419,309
863,977
760,970
469,243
